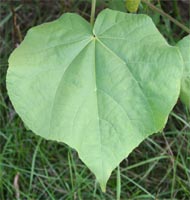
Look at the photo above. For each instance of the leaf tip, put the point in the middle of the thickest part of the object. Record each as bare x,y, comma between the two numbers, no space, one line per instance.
103,187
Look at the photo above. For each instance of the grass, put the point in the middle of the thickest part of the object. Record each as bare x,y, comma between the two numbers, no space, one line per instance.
34,168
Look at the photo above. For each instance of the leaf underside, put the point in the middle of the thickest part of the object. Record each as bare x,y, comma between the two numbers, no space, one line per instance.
101,90
184,47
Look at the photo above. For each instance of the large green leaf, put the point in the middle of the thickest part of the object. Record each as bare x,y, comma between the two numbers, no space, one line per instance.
184,47
101,90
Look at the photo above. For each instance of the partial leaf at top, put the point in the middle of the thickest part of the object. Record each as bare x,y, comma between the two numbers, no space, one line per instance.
101,90
184,47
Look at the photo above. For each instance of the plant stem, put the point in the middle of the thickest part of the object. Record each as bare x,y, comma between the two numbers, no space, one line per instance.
93,8
186,29
16,26
118,183
175,6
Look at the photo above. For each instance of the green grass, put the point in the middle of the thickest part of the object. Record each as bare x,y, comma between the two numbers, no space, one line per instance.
34,168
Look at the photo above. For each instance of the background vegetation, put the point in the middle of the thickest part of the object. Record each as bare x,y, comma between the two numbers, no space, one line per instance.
34,168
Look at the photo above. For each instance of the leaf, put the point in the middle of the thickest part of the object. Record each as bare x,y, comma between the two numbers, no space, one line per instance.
184,47
132,5
101,90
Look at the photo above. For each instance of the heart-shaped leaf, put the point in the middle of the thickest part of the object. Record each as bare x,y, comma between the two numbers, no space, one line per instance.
184,47
101,90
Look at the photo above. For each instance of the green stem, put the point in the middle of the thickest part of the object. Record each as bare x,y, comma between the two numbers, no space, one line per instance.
175,6
186,29
93,8
118,183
